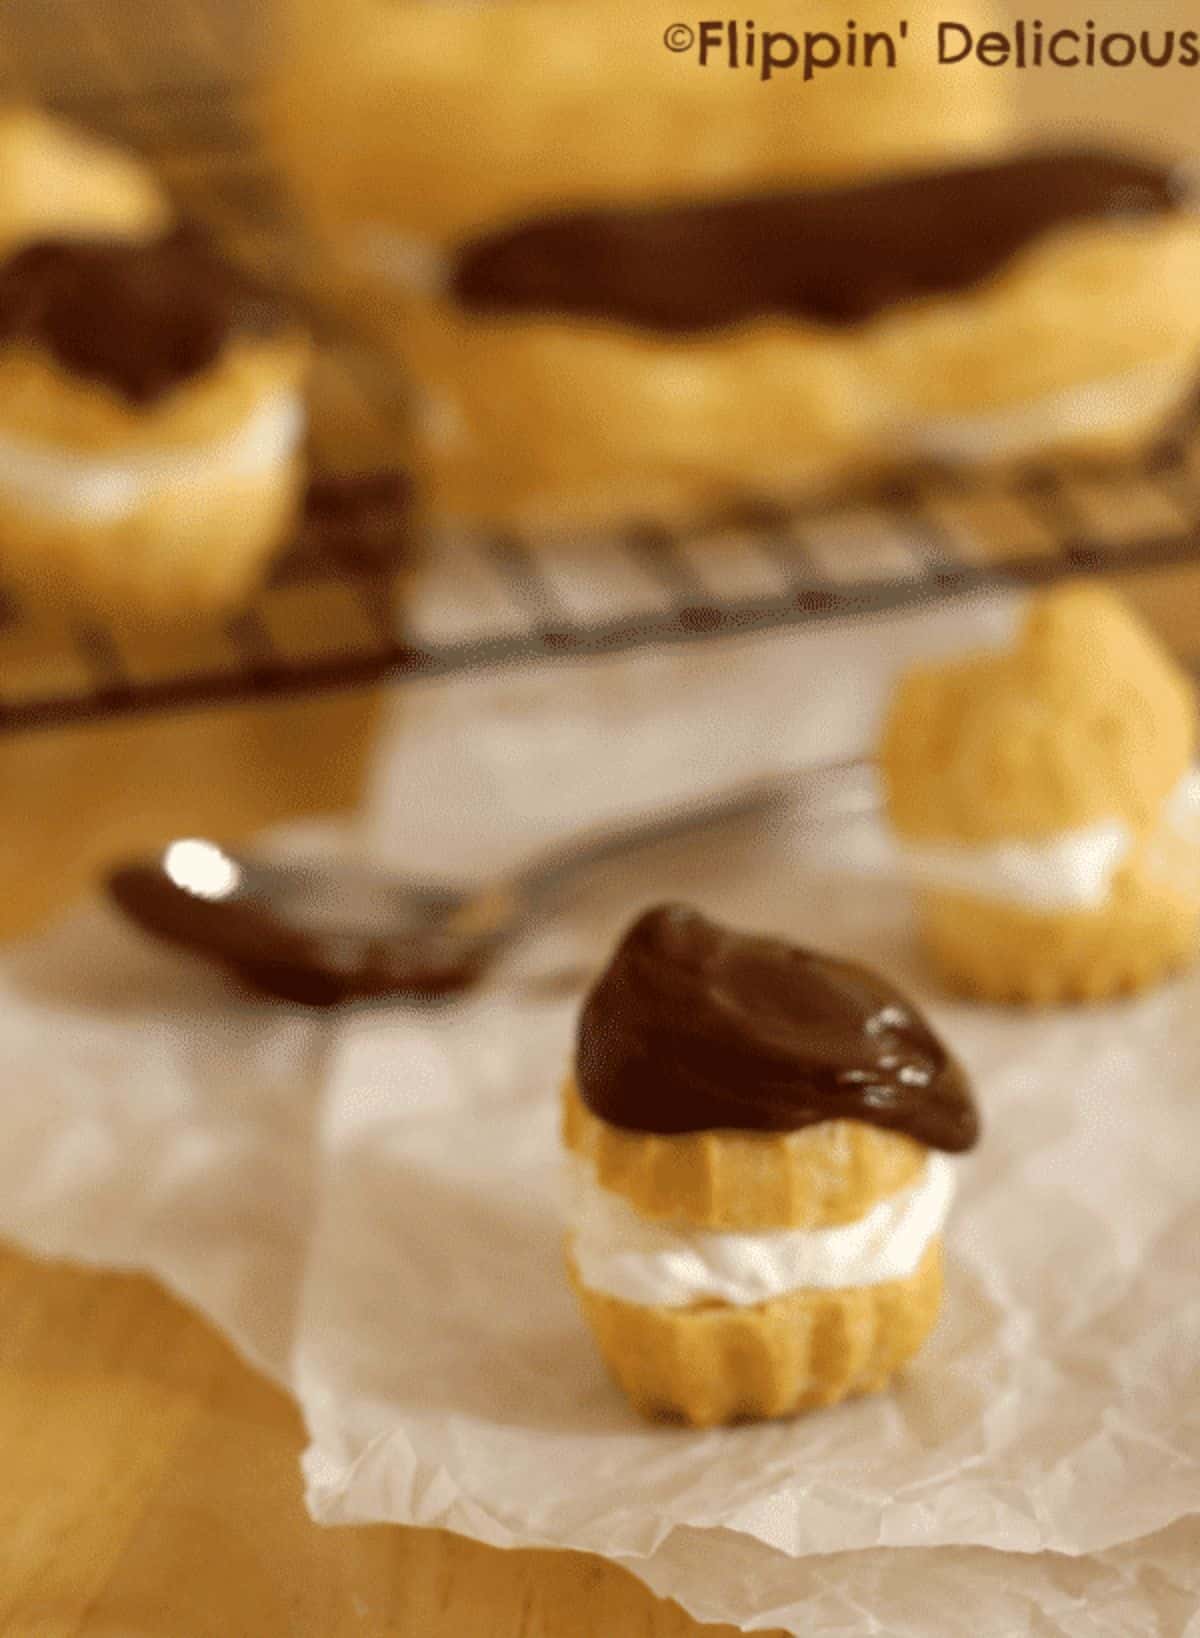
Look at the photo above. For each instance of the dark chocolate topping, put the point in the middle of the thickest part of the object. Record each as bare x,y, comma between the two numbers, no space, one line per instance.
834,256
270,931
139,317
693,1028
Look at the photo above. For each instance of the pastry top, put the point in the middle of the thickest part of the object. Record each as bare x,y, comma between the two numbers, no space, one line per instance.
1086,718
137,318
818,1177
61,182
693,1028
827,255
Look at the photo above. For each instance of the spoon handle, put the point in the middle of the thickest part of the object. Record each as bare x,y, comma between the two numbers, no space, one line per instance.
820,792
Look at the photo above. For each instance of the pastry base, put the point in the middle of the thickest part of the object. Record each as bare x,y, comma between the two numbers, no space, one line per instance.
818,1177
184,551
717,1363
992,952
192,543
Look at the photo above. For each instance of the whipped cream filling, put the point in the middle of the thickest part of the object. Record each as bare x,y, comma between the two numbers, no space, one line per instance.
619,1252
78,486
1074,870
1095,409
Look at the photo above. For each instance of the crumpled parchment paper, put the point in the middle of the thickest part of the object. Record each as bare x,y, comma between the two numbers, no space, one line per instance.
448,1381
368,1207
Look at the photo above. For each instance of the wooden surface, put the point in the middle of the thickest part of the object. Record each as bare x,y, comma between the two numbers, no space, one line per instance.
150,1490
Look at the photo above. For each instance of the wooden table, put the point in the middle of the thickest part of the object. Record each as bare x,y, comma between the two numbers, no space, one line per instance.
150,1490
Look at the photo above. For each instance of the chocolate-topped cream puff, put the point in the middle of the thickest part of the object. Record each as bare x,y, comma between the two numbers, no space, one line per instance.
1047,807
759,1141
151,423
60,182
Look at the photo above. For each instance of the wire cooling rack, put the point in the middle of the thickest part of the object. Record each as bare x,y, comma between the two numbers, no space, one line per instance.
347,605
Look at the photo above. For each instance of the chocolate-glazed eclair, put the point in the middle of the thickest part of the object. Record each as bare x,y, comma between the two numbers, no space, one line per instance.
773,345
759,1141
629,287
151,421
416,134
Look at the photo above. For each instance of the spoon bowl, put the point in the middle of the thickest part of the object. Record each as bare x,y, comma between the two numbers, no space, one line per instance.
316,933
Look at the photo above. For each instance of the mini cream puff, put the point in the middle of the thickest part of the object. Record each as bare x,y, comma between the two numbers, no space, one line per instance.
59,182
1047,809
758,1141
151,425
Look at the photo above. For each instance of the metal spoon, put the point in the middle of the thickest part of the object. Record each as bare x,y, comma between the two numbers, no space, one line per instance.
338,930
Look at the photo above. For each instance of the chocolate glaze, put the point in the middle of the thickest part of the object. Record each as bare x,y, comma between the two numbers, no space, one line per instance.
138,317
252,936
694,1028
833,256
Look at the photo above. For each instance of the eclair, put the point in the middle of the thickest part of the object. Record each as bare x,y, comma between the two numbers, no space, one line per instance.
629,288
759,1142
151,425
588,256
1047,809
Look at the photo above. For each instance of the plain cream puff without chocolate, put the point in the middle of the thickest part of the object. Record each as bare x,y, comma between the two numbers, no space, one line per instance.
1047,807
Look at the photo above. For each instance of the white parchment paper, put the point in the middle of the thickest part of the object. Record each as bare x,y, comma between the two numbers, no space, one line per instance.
369,1208
448,1380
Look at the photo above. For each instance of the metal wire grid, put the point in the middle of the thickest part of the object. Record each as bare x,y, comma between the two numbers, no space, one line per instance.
348,609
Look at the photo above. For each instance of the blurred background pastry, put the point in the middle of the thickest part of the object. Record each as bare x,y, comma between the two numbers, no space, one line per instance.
1048,809
58,182
151,425
629,288
411,134
758,1144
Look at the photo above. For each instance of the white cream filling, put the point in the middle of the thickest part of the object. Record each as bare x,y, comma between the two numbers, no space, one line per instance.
621,1253
1074,870
77,486
1182,811
1096,409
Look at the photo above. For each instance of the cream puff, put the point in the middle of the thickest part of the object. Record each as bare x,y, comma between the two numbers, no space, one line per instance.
759,1143
1047,809
151,425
